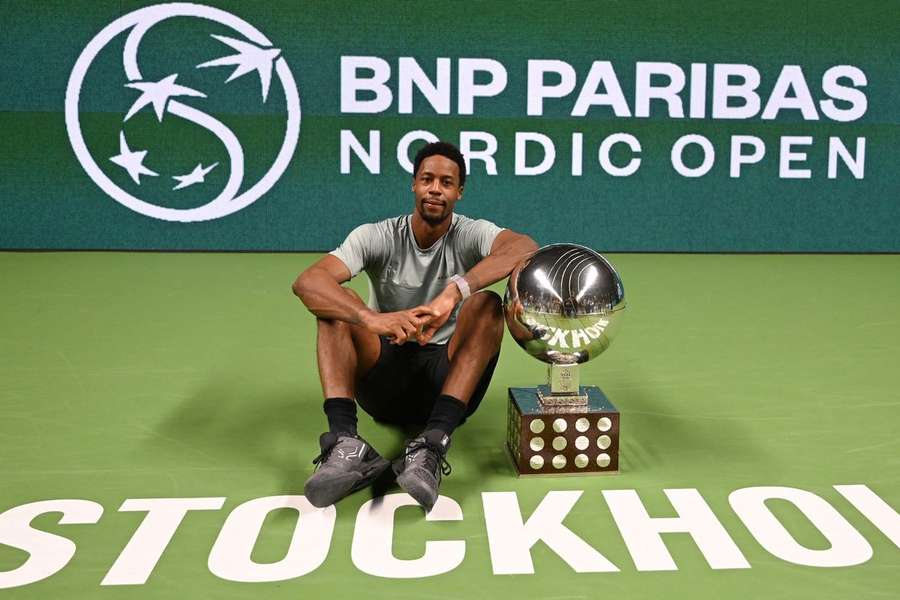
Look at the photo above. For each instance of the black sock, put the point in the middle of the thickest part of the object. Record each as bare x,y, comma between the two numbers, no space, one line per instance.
341,413
447,414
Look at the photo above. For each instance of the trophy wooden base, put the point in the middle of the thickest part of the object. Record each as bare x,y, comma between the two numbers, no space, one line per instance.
554,440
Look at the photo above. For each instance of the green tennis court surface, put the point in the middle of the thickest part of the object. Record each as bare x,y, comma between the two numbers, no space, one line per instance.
184,376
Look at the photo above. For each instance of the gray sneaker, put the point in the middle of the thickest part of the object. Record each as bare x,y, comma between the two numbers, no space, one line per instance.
421,465
347,463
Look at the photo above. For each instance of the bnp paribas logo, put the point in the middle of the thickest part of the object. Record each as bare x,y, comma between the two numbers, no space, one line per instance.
191,116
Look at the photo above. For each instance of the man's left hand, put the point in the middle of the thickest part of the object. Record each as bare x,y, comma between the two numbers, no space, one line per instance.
442,306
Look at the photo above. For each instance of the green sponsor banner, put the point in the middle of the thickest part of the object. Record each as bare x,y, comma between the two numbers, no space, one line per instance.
641,126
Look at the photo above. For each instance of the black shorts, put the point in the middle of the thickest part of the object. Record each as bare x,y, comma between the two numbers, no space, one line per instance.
406,380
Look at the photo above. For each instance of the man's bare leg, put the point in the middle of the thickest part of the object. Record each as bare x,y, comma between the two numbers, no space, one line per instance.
347,462
345,352
476,340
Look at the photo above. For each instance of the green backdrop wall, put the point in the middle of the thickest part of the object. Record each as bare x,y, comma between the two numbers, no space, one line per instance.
48,199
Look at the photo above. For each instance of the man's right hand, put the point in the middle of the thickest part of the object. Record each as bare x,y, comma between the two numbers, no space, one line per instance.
400,326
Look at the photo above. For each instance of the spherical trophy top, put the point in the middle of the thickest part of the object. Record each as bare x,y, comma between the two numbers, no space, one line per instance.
563,305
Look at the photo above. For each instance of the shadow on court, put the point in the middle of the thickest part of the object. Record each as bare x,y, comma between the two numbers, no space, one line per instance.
233,420
239,422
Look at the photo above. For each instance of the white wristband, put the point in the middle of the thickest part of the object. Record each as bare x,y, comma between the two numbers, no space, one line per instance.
462,285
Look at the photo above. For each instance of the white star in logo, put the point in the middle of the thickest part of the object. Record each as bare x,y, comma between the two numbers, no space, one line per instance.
131,161
195,176
249,58
158,93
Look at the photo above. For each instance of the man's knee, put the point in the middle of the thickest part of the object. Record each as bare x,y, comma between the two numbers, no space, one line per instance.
486,308
486,304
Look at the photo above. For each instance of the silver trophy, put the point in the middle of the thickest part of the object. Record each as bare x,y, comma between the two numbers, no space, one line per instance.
564,306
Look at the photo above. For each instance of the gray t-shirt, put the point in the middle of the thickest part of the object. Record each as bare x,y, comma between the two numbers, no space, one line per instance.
402,275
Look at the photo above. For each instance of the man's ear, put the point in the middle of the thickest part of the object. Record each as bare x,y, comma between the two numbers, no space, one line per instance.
460,193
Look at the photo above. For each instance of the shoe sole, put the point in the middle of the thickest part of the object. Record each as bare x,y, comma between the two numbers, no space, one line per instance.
371,474
326,497
420,493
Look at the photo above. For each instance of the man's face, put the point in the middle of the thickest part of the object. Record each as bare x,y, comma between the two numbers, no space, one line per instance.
436,187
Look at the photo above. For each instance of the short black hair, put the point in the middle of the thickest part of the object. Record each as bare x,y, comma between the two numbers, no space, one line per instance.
443,149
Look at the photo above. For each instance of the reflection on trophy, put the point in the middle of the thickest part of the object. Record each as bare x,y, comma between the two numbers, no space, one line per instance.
563,305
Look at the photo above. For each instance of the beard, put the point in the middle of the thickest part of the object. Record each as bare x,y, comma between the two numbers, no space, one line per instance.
433,219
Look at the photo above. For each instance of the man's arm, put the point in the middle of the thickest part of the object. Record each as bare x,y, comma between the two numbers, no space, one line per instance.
319,288
508,249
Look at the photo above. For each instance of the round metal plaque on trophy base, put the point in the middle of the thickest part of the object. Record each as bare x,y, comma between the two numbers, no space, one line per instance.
563,306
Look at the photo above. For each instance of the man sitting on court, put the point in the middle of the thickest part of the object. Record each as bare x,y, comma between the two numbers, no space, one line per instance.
422,352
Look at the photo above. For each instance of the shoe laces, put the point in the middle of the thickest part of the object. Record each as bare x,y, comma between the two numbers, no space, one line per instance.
434,456
326,449
321,458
